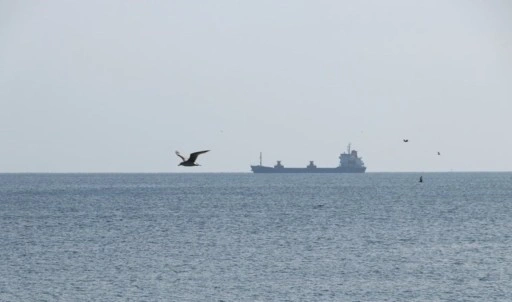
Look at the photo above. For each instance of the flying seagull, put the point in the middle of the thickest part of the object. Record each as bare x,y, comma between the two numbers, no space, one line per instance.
191,161
406,140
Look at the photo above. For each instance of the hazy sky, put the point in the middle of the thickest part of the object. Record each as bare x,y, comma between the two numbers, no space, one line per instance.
118,86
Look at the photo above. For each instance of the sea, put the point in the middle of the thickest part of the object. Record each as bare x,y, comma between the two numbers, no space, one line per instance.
256,237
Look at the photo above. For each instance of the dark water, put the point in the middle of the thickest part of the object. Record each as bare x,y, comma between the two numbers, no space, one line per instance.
246,237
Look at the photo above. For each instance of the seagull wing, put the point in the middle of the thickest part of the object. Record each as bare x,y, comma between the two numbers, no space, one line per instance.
183,158
193,156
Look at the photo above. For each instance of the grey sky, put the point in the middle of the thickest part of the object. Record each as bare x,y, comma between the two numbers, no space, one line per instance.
117,86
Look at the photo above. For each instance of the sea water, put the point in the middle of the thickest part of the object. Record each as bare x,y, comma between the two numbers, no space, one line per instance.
256,237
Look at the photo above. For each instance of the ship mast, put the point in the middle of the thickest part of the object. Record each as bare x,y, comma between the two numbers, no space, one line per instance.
260,159
348,148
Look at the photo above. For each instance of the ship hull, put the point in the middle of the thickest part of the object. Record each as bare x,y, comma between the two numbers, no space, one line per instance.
263,169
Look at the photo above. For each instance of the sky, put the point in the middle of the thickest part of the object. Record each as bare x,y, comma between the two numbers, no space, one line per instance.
118,86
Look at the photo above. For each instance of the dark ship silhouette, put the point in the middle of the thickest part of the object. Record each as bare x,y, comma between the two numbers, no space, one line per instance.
349,163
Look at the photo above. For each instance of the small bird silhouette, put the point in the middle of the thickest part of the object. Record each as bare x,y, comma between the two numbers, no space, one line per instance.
406,140
191,161
438,153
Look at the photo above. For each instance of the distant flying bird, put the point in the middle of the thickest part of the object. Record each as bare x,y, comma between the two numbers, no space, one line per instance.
191,161
406,140
438,153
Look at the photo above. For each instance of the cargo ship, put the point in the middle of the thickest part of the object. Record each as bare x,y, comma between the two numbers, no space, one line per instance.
350,162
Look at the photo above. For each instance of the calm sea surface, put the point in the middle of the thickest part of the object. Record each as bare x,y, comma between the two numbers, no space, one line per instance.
247,237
